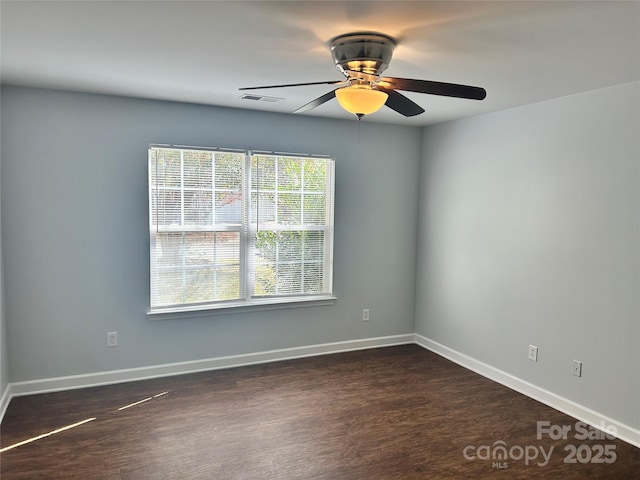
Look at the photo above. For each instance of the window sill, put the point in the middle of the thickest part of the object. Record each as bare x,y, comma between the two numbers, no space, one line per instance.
240,307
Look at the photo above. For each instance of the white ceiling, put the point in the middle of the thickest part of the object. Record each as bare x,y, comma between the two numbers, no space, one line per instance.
521,52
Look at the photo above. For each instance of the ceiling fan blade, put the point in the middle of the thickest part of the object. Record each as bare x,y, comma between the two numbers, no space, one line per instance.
333,82
317,102
401,104
434,88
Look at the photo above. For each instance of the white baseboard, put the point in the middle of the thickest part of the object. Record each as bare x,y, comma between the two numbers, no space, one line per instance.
4,401
624,432
58,384
575,410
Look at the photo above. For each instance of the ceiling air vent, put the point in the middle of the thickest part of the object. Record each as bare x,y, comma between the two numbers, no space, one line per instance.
261,98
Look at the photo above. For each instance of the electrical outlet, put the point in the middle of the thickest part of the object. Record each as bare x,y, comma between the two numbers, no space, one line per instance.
533,353
365,315
577,368
112,339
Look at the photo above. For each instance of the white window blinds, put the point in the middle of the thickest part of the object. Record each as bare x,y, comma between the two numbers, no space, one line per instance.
292,215
231,228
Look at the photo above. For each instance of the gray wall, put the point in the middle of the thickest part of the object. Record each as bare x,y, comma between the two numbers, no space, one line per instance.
529,234
75,226
4,357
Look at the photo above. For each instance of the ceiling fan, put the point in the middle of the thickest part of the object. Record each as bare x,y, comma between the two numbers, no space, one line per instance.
362,57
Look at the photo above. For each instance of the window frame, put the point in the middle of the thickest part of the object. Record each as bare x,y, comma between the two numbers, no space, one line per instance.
249,300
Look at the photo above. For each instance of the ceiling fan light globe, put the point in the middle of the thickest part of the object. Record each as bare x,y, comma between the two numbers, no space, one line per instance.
361,101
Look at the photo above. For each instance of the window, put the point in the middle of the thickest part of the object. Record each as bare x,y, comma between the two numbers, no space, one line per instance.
236,228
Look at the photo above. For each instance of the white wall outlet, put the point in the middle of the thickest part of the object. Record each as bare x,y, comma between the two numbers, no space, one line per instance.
112,339
533,353
577,368
365,314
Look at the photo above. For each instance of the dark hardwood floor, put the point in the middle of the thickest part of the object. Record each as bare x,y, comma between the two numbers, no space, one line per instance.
389,413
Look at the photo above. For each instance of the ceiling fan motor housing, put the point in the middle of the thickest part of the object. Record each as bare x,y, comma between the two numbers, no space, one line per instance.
364,52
